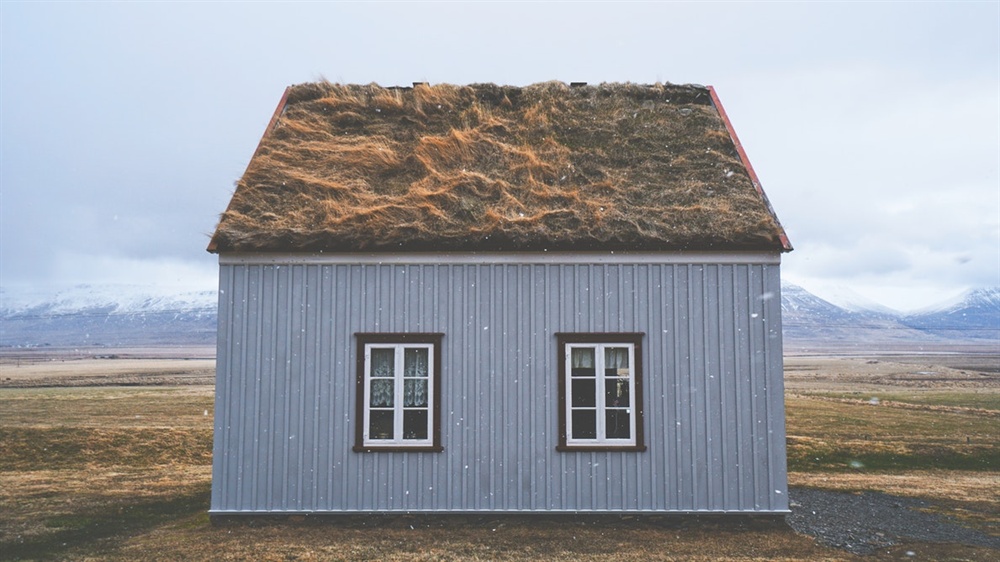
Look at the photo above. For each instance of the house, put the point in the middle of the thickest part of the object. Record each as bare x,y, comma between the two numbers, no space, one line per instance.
553,298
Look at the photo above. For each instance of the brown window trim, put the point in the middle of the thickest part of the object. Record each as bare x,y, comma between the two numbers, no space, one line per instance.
634,338
364,338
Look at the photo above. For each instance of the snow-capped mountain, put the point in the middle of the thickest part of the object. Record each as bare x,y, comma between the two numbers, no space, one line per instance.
850,300
975,314
809,319
111,315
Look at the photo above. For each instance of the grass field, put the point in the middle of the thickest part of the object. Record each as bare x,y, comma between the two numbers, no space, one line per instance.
123,473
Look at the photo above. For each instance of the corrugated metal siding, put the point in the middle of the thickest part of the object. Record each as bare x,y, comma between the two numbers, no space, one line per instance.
285,404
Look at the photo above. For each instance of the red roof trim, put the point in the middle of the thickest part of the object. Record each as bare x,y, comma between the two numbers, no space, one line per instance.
212,246
786,245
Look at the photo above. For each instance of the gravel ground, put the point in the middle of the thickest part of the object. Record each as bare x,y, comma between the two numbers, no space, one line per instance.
864,522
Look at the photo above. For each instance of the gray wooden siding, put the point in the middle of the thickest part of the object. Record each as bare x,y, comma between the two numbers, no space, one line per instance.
285,398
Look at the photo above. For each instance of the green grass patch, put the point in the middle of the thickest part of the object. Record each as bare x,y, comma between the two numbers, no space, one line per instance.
68,522
38,448
975,400
824,435
101,523
103,406
882,457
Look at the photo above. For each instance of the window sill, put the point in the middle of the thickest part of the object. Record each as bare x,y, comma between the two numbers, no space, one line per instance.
397,449
601,448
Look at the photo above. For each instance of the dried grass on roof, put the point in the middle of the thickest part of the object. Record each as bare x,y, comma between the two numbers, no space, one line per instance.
486,167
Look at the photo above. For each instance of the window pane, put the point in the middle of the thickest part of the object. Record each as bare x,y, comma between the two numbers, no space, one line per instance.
414,392
616,393
383,362
616,362
415,362
381,394
584,424
380,424
415,424
582,359
617,424
584,393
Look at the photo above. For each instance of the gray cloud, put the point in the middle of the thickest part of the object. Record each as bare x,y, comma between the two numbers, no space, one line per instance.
874,127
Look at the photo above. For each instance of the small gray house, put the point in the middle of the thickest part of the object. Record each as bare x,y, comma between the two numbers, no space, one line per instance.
553,298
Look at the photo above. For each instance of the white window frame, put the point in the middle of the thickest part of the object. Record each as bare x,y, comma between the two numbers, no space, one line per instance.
398,344
599,343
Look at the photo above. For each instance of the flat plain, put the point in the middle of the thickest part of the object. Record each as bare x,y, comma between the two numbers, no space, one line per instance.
107,456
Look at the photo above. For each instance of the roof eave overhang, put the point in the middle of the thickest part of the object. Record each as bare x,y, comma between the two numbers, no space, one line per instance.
515,258
785,243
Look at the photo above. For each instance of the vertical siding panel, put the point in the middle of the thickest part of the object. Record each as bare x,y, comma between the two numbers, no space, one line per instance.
496,351
685,389
708,412
364,282
297,391
248,430
266,406
718,353
697,375
317,350
527,433
767,387
309,446
567,323
657,371
671,381
459,487
246,393
549,468
280,338
508,319
726,375
753,282
648,314
776,398
337,311
736,418
640,478
227,480
745,392
478,374
222,411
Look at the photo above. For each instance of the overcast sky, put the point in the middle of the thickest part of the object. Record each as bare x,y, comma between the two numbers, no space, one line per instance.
874,128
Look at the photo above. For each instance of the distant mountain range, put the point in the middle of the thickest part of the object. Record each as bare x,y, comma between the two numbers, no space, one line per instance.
107,315
125,315
808,319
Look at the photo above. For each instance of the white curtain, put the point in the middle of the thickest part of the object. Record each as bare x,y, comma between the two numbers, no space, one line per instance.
616,358
583,358
415,363
383,362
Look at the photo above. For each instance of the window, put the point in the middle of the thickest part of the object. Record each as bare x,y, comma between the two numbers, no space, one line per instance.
600,392
398,392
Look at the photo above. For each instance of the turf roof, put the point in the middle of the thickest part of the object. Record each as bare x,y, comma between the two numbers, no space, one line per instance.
483,167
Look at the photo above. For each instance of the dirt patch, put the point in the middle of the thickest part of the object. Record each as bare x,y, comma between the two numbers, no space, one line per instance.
110,370
866,374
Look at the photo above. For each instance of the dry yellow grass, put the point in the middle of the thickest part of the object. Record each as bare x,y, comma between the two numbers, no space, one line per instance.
950,485
148,499
89,371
